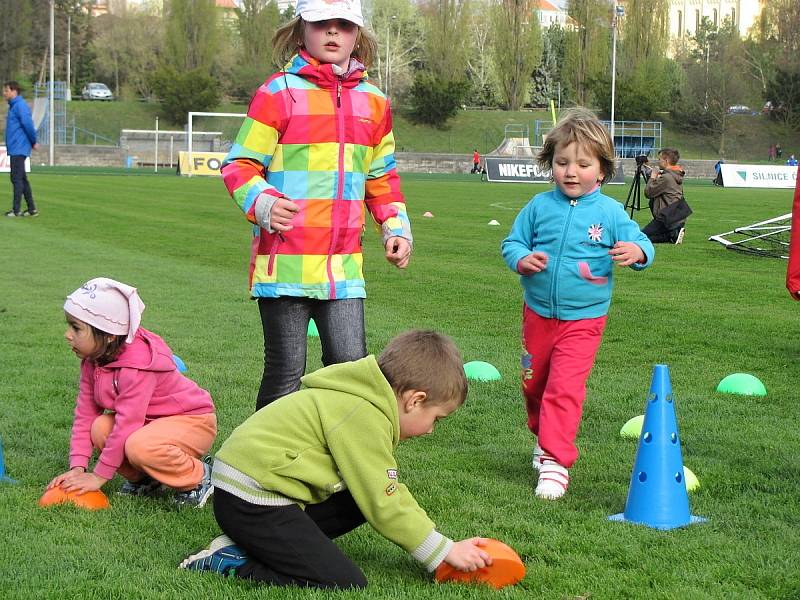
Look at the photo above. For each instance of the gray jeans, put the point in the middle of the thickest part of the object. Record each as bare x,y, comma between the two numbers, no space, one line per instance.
285,322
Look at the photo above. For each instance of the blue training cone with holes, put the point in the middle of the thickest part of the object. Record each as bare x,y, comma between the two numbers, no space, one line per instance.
657,496
3,477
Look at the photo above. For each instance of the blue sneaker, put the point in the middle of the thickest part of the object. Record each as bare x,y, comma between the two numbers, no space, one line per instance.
147,487
221,556
198,496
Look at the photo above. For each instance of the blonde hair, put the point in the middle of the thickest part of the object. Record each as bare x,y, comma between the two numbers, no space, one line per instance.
425,360
581,126
288,39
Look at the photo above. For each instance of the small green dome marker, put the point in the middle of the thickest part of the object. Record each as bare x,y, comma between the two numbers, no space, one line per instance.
742,383
481,371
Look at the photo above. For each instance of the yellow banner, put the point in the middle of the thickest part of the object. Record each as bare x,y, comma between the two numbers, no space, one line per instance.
203,163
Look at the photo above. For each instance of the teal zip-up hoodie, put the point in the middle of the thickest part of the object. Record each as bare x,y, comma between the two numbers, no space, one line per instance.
576,235
339,432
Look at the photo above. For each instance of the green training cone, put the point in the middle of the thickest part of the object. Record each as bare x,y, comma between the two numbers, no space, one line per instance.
312,329
481,371
742,383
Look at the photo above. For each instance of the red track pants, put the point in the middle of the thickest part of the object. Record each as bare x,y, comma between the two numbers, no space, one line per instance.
556,361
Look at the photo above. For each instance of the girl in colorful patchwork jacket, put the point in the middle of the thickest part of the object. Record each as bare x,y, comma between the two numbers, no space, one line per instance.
315,148
564,244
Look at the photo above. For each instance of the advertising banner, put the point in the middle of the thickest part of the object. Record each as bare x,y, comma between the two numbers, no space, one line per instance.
203,163
758,176
5,162
514,170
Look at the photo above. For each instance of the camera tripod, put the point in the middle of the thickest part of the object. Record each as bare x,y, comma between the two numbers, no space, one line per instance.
634,199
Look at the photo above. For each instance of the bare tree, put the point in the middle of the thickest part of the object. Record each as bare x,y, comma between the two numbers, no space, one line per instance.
517,48
588,47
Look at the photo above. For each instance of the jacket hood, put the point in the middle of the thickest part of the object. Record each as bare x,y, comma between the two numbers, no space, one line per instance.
147,352
677,172
362,378
308,67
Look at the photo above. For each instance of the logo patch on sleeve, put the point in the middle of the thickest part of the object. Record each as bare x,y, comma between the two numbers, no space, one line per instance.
391,489
391,473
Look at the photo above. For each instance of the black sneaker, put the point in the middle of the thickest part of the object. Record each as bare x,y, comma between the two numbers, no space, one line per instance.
144,487
11,213
30,213
197,497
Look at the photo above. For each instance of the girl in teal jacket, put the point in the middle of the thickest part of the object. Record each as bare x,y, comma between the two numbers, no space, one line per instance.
563,244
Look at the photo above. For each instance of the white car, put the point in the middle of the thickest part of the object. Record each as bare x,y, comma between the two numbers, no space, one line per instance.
96,91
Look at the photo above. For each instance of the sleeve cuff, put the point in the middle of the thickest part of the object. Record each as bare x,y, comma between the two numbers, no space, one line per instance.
105,471
263,210
78,461
432,550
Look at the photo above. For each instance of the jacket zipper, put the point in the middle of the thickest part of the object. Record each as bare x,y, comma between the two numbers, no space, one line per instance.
339,188
554,282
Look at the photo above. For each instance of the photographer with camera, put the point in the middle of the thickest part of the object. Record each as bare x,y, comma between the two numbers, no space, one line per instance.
664,188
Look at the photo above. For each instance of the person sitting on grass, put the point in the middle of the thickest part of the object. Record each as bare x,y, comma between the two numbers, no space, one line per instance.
319,462
150,423
665,190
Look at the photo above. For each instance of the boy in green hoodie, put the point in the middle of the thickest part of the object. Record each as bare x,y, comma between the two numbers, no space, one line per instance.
320,462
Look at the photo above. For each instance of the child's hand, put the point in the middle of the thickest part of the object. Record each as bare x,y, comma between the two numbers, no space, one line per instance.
626,254
77,480
533,263
467,555
398,251
283,211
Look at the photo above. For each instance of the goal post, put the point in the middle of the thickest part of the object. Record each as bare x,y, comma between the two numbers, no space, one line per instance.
191,129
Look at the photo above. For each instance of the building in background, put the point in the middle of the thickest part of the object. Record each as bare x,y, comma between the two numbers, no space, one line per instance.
685,15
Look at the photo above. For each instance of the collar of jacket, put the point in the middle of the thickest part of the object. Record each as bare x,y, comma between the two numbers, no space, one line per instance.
308,67
15,99
585,198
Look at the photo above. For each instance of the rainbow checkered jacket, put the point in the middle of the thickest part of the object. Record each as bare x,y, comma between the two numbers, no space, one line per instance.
326,143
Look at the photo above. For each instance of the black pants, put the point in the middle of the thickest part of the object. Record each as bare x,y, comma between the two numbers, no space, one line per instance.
285,323
19,179
287,545
658,233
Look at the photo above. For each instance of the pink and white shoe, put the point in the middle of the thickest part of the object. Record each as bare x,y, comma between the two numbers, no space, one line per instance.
553,479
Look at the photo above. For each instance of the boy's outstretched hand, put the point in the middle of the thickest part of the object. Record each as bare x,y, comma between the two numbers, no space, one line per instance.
626,254
398,251
467,555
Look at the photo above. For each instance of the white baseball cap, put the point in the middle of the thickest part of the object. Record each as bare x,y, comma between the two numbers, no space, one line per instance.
322,10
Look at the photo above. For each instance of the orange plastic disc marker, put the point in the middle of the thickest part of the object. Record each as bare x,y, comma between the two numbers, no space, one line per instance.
94,500
506,568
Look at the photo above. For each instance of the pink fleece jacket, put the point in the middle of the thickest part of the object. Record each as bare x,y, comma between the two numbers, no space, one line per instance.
141,385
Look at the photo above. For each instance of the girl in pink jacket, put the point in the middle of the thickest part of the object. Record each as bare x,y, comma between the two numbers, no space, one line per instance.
149,423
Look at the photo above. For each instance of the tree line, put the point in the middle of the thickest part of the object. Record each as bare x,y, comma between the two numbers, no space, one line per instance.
435,56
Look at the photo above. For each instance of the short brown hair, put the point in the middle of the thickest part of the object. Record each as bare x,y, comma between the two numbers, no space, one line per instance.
425,360
672,155
582,126
288,39
13,85
108,345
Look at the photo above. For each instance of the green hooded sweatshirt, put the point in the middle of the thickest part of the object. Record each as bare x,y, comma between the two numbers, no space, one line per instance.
339,432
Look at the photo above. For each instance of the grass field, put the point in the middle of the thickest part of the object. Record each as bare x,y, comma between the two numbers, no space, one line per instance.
701,309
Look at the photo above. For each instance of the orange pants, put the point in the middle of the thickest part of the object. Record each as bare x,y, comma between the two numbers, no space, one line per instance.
167,449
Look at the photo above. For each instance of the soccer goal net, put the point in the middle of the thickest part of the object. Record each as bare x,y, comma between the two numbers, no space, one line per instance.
766,238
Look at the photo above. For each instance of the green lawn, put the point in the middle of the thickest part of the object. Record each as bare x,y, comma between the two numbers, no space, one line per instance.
701,309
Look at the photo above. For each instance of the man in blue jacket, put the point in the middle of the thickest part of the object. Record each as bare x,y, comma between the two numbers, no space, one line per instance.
20,138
